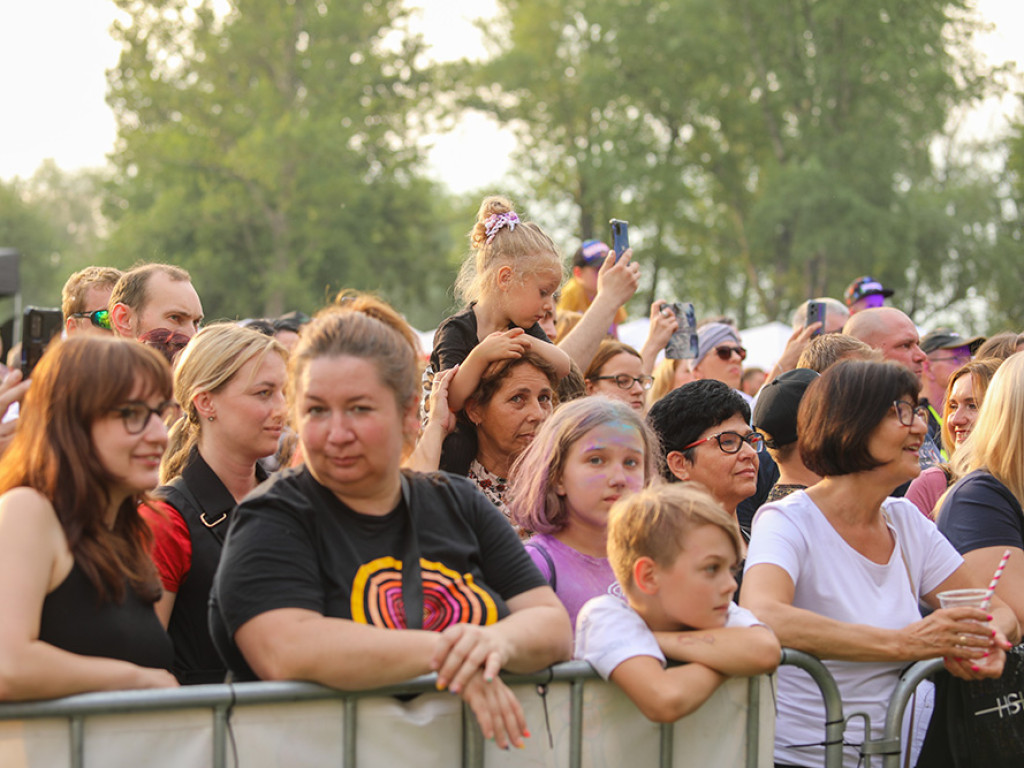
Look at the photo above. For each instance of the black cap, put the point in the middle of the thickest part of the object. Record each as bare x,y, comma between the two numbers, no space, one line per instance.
778,403
944,338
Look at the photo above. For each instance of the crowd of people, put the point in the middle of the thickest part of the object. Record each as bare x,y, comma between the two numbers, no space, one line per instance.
273,499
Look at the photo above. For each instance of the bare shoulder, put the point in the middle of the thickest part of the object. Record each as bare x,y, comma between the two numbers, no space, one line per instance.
28,520
29,504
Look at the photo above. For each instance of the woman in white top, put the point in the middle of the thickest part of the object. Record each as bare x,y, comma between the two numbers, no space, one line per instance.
838,570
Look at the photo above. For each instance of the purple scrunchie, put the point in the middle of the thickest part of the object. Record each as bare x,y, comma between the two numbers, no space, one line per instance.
498,220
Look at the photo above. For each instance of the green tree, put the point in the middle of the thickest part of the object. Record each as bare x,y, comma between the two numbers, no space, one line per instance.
765,152
272,151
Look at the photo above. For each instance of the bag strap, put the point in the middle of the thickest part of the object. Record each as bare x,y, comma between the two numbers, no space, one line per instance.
553,580
181,487
412,579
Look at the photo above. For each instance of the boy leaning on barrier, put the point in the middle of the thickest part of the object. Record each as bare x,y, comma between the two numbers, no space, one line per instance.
674,551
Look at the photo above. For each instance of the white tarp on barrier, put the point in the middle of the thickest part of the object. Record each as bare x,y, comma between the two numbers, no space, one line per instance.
424,732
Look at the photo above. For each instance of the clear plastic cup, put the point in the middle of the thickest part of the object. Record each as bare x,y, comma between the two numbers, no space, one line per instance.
962,598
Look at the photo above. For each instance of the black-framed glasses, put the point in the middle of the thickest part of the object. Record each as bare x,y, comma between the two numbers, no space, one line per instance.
100,318
732,442
136,415
625,381
907,411
726,351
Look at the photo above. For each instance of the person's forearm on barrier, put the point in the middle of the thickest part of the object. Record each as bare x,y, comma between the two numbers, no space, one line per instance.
665,695
734,651
956,632
536,634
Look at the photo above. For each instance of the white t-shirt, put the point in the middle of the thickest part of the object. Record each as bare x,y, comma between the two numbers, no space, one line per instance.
609,631
833,579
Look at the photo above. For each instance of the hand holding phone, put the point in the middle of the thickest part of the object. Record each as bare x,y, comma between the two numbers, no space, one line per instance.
815,314
684,344
620,237
39,326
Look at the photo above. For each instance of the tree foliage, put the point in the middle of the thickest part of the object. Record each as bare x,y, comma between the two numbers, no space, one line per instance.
271,150
765,152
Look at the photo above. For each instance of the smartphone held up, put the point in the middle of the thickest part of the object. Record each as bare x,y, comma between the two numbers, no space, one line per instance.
620,237
683,344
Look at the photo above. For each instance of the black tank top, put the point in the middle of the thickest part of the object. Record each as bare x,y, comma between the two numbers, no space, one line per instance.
76,619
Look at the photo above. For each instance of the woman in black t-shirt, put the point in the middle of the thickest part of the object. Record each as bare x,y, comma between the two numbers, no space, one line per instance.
77,586
314,568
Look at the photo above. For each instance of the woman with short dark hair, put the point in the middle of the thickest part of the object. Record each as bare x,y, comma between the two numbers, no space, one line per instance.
838,570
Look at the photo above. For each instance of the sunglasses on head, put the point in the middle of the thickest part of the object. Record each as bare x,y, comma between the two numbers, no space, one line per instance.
100,318
725,352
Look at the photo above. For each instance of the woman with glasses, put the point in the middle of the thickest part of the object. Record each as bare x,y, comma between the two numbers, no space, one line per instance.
230,382
514,398
77,585
838,570
720,355
616,371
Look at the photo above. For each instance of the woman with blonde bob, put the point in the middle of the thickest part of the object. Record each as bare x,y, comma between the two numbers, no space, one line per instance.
230,383
586,456
981,515
77,586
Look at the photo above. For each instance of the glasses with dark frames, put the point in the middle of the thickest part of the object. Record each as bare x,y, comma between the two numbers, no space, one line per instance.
732,442
726,351
906,412
625,381
100,318
136,415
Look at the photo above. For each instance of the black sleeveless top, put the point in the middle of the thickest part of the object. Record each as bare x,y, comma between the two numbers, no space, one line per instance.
205,505
75,619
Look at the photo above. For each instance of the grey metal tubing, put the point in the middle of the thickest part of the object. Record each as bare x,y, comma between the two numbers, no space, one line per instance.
77,741
908,683
753,720
220,737
350,722
576,723
830,695
666,746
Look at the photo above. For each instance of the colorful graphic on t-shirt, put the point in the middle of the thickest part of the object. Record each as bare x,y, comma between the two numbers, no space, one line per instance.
448,596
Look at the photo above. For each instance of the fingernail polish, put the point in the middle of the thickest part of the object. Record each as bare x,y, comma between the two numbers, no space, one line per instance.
438,685
526,734
990,618
975,667
985,655
957,660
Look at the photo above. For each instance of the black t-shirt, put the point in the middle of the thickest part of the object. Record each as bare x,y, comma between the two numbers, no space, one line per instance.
978,512
455,338
293,544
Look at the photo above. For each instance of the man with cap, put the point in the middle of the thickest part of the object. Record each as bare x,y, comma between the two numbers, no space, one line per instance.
720,356
775,418
865,293
581,288
947,350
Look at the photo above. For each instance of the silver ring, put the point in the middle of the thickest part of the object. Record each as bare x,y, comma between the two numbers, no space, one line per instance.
666,310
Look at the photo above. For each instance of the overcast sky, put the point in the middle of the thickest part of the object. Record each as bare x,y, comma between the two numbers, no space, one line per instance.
53,55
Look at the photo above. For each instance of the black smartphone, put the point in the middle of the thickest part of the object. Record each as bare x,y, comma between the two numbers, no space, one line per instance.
38,327
816,314
620,237
683,345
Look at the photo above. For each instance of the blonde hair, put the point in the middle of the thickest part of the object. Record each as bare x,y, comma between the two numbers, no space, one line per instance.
981,373
664,379
997,441
655,523
525,248
207,364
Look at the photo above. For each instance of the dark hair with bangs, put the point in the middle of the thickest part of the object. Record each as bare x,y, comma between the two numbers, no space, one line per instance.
77,382
841,409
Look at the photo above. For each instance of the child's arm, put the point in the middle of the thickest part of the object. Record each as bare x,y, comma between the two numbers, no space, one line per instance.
734,651
665,695
496,346
558,359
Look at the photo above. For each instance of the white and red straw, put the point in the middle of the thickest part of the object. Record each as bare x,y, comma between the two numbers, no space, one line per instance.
995,580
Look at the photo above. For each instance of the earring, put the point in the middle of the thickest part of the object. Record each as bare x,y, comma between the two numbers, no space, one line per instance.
209,418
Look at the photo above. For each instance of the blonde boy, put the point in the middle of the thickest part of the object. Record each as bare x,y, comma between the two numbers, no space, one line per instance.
673,549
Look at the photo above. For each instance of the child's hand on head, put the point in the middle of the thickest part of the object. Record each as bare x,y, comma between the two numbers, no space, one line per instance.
501,345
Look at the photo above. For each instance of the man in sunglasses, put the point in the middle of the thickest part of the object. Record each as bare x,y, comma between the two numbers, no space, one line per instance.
704,428
157,305
85,297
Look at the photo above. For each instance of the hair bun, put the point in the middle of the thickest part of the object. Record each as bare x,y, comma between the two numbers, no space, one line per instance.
495,204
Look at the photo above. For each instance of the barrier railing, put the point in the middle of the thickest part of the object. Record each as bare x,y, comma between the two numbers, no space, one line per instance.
577,720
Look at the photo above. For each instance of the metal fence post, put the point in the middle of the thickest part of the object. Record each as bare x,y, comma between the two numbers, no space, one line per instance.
830,695
908,683
753,720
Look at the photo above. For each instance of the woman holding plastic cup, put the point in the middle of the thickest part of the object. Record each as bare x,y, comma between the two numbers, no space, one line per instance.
838,570
981,515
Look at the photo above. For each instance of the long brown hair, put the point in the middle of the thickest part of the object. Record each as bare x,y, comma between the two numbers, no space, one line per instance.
76,382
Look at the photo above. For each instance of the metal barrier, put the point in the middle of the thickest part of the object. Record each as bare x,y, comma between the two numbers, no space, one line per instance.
834,720
889,745
207,734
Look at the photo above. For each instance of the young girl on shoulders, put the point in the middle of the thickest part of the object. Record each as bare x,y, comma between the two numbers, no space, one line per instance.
674,550
509,283
587,455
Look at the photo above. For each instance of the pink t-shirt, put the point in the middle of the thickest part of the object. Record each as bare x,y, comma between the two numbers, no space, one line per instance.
926,489
578,577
